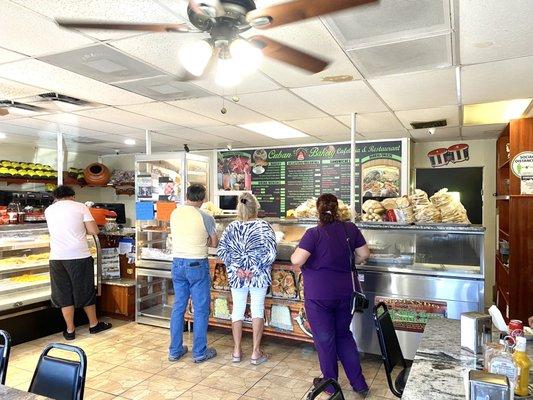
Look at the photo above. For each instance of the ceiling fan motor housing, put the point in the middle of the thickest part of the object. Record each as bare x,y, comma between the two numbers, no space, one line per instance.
235,15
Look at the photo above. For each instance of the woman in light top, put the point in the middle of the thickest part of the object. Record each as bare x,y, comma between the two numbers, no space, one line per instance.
248,249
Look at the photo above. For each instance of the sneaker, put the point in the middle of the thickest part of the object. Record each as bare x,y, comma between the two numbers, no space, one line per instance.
209,354
100,327
69,335
176,358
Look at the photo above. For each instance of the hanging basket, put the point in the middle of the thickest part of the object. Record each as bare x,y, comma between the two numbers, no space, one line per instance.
97,174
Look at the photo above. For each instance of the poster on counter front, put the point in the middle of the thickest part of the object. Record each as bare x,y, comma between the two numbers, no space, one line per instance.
412,315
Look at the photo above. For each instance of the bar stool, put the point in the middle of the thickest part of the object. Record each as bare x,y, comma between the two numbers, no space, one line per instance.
391,352
59,378
5,349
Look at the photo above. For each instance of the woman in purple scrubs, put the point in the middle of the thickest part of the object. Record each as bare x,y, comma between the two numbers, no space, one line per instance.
325,261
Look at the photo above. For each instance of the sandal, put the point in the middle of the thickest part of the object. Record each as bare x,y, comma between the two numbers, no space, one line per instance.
235,359
258,361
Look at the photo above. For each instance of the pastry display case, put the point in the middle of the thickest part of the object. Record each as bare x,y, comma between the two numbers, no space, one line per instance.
24,270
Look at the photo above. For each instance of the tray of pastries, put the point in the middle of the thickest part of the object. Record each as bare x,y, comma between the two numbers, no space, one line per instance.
284,284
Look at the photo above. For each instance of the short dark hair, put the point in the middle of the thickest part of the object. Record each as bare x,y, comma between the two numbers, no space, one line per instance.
63,191
196,192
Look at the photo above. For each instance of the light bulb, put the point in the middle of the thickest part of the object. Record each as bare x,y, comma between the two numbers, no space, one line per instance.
194,56
227,75
247,56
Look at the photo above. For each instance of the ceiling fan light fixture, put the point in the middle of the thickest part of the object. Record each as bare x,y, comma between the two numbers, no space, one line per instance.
228,73
247,56
194,56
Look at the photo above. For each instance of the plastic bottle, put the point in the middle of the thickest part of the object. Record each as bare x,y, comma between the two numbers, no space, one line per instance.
523,364
502,363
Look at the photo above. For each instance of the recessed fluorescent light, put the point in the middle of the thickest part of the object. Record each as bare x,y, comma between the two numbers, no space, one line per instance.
130,142
105,66
274,129
2,135
494,113
165,89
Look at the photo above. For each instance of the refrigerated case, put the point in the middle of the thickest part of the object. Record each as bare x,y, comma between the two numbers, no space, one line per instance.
160,179
420,272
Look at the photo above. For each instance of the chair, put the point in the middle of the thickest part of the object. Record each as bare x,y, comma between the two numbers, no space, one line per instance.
337,395
5,349
59,378
391,353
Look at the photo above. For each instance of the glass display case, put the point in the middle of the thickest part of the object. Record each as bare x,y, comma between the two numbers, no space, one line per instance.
24,270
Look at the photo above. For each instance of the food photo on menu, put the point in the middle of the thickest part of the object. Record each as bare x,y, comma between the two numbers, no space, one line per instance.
234,170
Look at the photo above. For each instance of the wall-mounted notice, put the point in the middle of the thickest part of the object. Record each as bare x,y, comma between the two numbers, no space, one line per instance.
283,178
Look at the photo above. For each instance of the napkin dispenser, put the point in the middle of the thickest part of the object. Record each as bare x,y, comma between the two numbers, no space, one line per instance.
476,330
484,385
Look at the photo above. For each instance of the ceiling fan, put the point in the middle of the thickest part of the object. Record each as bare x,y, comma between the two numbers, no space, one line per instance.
224,21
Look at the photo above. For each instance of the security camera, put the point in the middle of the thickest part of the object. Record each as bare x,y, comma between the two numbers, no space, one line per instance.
235,99
223,110
117,152
186,148
229,147
432,131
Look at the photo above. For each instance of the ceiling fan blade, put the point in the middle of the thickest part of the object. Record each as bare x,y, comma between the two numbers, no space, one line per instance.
298,10
123,26
3,111
281,52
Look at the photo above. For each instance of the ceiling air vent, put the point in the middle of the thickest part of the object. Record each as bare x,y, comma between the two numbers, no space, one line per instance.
64,99
85,140
429,124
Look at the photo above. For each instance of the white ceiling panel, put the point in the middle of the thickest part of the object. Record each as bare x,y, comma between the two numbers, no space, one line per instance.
8,56
495,30
449,113
321,127
40,74
235,133
254,83
418,90
500,80
491,131
211,106
386,135
91,123
174,115
122,117
310,36
10,90
422,135
374,122
389,20
342,98
115,10
280,104
32,34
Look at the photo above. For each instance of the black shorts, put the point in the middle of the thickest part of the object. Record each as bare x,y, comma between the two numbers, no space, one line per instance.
73,282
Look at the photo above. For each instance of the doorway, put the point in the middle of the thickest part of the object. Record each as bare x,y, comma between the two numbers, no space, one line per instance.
467,181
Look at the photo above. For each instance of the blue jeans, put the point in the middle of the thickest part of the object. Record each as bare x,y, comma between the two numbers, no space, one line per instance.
191,278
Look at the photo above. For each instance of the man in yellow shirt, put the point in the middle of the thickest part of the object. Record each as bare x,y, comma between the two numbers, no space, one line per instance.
193,231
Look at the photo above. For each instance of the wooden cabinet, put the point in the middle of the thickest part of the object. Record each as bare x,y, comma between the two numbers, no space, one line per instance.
118,299
514,277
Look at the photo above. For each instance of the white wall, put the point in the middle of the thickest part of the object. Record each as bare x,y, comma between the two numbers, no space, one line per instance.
482,154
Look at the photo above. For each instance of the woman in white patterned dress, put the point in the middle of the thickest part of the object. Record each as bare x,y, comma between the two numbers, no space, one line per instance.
248,249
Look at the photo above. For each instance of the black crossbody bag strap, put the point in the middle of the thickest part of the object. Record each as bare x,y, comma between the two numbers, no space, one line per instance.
359,302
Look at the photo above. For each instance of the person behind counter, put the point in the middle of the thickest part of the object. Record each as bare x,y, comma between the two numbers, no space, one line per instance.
71,263
192,232
248,249
325,261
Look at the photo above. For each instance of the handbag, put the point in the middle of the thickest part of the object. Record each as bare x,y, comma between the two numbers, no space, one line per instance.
358,301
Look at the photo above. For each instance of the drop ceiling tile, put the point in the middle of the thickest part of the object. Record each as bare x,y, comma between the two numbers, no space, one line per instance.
417,90
449,113
389,20
386,135
422,135
211,106
98,10
312,37
32,34
169,113
499,80
235,133
40,74
254,83
491,131
10,90
509,35
126,118
342,98
91,123
280,105
103,63
407,56
163,88
376,122
321,127
8,56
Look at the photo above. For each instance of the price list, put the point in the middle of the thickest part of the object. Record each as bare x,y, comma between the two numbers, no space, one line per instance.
269,188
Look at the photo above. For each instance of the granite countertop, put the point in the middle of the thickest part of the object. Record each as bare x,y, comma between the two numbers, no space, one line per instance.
119,282
440,364
7,393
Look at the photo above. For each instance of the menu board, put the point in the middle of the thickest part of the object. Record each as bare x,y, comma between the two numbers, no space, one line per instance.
284,178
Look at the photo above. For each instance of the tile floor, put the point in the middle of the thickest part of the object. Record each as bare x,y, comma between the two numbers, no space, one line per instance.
130,362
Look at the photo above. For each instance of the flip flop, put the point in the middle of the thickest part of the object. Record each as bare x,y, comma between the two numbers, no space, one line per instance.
258,361
235,359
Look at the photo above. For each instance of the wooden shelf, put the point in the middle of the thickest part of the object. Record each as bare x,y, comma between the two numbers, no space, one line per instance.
20,181
503,197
